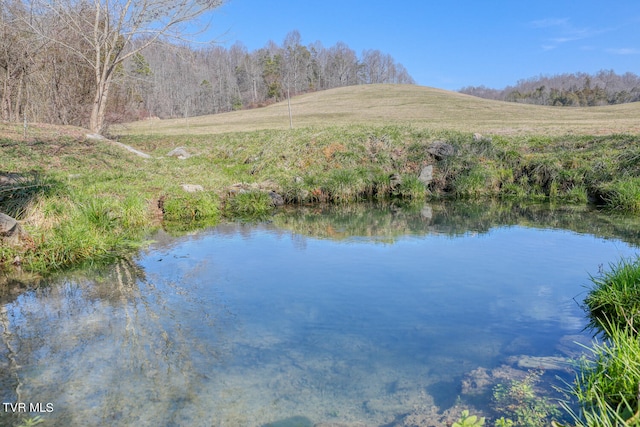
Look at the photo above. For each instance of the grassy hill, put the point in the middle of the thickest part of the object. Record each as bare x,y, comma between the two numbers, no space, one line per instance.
417,106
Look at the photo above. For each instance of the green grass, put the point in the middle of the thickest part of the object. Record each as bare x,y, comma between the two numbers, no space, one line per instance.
607,383
614,298
623,194
249,206
77,190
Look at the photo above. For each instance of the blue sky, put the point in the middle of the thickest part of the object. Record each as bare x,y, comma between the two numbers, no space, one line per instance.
450,44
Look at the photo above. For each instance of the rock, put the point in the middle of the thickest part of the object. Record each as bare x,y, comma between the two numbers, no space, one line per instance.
426,175
8,226
95,136
478,137
179,152
550,363
7,179
98,137
276,198
10,231
477,381
441,149
395,181
338,424
427,212
192,188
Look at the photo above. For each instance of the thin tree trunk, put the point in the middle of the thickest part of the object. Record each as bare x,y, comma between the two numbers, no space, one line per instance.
96,123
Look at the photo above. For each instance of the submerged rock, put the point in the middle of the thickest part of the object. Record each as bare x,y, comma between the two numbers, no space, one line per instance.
549,363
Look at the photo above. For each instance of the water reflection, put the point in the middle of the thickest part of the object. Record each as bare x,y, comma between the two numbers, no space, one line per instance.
388,222
324,316
111,350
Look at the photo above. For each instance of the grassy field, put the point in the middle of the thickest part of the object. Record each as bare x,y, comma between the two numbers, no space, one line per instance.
83,200
418,106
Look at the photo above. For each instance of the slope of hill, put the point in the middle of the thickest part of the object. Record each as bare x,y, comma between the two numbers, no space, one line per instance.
407,104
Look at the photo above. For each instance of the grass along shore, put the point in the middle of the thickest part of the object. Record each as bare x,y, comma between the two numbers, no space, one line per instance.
83,200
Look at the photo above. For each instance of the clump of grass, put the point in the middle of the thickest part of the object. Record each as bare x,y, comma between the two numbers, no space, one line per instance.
607,385
86,231
412,188
23,190
473,183
614,298
623,194
347,185
196,206
249,205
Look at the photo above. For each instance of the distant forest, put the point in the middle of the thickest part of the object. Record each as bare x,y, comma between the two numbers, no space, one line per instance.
571,90
42,82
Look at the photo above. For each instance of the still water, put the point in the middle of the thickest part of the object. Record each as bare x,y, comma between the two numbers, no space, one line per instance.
354,316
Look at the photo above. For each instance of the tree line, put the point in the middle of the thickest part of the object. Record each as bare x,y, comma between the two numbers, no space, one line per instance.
91,63
575,89
178,80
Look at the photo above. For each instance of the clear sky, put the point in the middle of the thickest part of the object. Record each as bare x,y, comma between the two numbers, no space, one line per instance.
450,44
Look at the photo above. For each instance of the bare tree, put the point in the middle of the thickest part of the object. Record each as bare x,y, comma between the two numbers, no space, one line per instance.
108,29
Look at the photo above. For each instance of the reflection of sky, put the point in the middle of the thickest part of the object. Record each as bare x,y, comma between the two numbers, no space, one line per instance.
251,316
509,281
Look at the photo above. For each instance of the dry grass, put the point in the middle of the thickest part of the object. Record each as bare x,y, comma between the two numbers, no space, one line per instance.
417,106
39,131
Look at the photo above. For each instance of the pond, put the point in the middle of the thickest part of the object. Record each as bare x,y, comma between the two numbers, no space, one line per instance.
327,316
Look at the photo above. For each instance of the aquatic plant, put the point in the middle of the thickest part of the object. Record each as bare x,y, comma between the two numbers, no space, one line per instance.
31,421
467,420
520,402
503,422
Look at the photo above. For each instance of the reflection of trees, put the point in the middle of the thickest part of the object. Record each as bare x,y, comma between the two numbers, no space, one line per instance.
109,351
387,222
